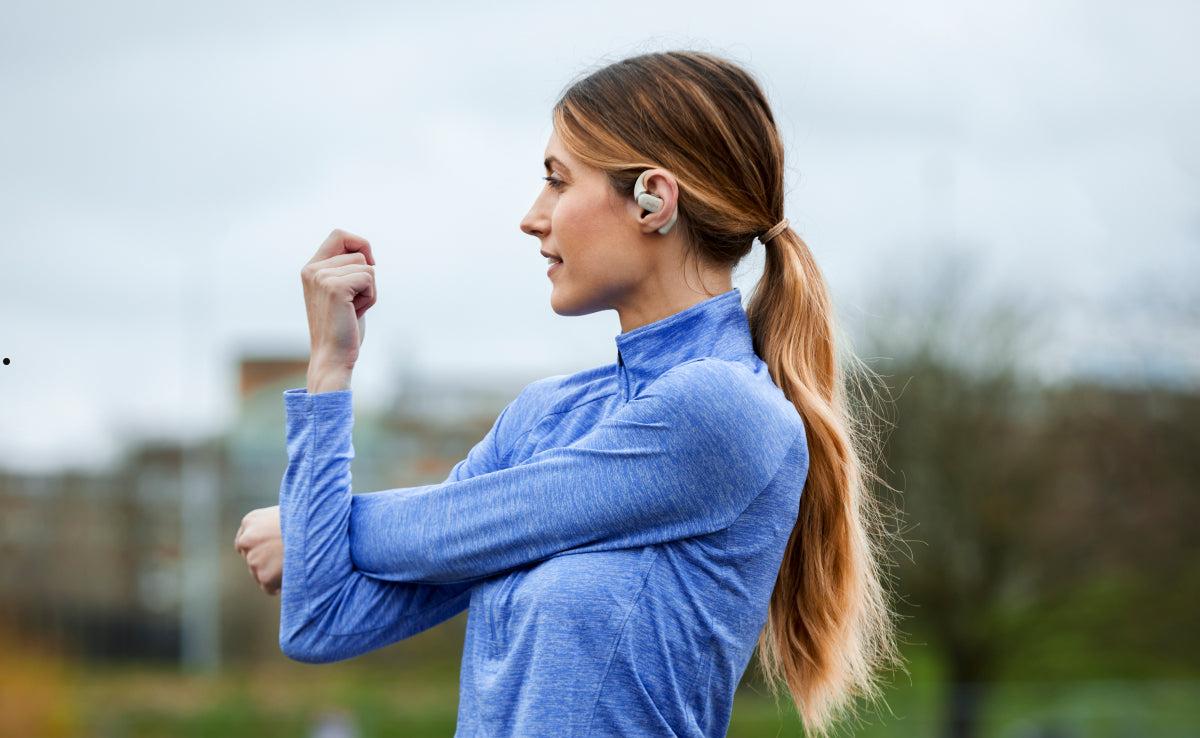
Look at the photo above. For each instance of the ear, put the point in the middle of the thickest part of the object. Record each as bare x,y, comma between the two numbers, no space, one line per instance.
661,184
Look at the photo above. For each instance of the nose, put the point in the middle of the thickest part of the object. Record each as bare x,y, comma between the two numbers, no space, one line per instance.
533,227
535,223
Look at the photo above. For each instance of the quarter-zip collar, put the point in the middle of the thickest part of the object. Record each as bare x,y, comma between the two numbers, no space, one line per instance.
717,326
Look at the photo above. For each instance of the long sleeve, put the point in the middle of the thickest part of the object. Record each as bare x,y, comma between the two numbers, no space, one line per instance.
329,610
681,459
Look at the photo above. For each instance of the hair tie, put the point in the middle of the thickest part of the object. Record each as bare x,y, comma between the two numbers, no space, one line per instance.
774,231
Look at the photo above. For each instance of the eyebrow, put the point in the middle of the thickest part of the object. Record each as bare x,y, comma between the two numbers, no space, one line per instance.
556,161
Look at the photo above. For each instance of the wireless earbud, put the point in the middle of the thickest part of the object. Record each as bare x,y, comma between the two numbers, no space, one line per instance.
651,202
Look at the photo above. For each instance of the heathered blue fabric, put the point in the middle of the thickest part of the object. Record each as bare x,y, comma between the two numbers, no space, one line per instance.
616,537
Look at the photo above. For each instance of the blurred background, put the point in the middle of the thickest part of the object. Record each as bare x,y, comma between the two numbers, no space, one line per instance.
1004,198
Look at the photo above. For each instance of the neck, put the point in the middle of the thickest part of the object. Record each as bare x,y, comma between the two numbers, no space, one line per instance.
714,327
655,301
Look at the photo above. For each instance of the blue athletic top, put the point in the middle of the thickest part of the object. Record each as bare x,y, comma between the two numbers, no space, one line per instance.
616,537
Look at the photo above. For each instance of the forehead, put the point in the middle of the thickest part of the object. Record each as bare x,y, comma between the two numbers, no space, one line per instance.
554,150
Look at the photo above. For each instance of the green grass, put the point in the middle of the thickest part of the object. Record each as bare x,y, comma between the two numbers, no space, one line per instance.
420,699
1087,710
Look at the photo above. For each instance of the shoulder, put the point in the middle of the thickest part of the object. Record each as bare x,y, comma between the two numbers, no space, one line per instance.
528,405
731,391
729,430
562,392
553,394
730,405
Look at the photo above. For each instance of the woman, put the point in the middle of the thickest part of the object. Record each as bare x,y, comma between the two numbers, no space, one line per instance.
626,535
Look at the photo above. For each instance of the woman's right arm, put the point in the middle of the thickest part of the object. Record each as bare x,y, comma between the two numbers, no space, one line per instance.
367,612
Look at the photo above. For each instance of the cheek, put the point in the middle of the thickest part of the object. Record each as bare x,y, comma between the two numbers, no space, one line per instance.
585,227
571,220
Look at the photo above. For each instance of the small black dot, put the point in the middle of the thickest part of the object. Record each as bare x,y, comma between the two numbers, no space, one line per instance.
5,361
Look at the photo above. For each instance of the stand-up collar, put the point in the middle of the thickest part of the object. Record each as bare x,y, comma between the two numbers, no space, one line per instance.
717,326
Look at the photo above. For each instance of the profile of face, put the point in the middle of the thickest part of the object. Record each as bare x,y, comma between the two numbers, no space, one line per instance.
608,244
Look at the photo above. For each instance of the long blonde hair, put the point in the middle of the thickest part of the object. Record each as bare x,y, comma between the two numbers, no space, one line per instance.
830,627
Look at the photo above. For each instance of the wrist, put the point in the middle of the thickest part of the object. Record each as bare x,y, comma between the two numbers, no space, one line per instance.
325,376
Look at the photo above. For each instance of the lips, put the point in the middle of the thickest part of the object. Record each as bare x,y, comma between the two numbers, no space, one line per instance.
552,258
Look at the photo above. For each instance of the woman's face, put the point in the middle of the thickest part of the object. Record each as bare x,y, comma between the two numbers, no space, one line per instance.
601,236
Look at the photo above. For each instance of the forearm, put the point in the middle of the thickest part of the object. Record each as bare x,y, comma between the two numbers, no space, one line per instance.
314,499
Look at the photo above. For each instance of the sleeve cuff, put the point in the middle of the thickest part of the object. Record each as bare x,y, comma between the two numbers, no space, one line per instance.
298,400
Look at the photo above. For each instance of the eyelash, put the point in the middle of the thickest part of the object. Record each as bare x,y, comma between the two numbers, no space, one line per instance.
554,183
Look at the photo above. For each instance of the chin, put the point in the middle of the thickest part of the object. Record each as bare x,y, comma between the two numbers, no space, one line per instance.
565,301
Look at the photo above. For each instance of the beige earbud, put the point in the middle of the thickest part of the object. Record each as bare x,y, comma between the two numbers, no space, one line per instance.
651,202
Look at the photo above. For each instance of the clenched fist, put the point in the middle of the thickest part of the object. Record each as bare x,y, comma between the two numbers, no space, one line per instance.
339,288
259,540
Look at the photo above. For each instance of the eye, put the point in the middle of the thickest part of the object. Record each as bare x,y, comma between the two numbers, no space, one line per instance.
555,184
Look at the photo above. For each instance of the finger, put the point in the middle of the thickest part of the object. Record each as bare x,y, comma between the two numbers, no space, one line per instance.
342,242
337,279
341,271
354,281
244,543
365,300
341,260
363,284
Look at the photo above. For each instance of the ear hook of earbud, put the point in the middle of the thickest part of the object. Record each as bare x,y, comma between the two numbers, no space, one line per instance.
651,202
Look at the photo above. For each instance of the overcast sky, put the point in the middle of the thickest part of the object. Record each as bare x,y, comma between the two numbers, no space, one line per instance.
166,169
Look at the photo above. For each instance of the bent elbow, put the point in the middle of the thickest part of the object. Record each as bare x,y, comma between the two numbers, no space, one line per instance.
307,648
